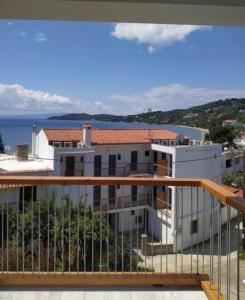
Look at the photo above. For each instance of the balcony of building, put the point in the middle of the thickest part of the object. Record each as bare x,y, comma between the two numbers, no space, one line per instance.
55,236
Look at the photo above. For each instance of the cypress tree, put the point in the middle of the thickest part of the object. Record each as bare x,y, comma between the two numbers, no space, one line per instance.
2,149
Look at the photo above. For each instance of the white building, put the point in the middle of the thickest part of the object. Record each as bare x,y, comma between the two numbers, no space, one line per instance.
232,161
132,152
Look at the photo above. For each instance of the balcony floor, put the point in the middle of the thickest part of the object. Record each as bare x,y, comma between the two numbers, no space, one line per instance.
102,293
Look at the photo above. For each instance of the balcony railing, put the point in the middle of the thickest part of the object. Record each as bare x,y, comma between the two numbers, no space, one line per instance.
125,169
55,236
121,202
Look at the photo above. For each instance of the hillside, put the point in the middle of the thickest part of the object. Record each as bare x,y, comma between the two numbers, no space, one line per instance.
196,116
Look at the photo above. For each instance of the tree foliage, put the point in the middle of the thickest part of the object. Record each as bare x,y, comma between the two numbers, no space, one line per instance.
2,149
64,237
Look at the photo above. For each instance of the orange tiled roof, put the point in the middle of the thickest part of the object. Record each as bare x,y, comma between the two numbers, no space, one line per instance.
110,136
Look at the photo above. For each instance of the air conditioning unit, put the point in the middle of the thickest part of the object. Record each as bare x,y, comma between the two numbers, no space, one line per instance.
208,143
199,143
195,143
80,145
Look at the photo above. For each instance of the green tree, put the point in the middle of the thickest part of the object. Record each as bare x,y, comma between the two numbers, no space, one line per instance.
220,134
61,236
2,149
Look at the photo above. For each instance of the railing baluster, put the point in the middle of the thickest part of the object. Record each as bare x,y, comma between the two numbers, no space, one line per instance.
228,251
176,227
211,240
137,234
7,236
191,225
55,227
32,225
2,241
62,228
130,237
219,247
92,224
145,232
17,234
198,227
23,230
107,238
48,238
39,235
238,255
203,228
84,231
78,227
69,229
152,228
182,225
166,248
122,230
101,215
161,206
116,228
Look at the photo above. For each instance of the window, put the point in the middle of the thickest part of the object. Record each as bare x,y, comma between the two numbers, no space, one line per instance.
97,165
67,145
81,159
112,194
194,227
134,191
118,186
70,166
138,219
27,193
56,145
132,212
119,156
228,163
147,153
97,195
172,143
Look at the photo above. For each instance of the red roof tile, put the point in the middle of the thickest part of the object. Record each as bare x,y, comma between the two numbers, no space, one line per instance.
110,136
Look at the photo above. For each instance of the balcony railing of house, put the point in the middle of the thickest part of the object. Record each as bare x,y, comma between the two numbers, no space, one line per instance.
125,169
121,202
52,235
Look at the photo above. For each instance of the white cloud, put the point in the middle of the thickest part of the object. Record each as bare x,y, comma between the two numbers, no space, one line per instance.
22,34
15,99
154,35
9,23
40,37
174,96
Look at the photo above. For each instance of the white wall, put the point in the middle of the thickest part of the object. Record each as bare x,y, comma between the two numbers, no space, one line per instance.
160,226
127,221
236,163
44,150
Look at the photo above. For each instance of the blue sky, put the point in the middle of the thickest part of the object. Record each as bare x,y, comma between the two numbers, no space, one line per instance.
116,68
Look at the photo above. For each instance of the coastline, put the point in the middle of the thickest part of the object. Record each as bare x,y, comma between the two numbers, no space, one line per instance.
203,130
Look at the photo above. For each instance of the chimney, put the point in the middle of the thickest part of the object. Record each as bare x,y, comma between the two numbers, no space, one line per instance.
22,152
87,134
34,140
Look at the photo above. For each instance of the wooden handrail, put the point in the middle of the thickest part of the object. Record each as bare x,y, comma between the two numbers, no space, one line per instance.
220,192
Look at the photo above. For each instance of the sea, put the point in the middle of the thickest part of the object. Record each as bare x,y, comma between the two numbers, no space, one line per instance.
18,131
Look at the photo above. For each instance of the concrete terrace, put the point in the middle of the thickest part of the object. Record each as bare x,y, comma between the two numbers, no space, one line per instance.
103,293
